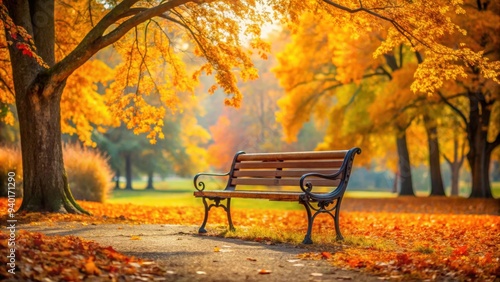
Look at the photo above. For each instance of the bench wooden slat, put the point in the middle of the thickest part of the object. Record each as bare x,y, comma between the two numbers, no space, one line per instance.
296,164
282,182
310,155
280,173
270,195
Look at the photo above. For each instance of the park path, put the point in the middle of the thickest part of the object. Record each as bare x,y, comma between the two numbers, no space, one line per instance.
187,256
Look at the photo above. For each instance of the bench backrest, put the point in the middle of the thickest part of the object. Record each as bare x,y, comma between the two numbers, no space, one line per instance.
286,169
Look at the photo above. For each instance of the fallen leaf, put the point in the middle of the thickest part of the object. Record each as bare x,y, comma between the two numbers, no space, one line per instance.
251,259
326,255
135,237
91,268
264,271
343,278
216,249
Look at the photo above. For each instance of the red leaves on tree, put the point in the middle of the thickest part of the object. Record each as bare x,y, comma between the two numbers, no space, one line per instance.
26,50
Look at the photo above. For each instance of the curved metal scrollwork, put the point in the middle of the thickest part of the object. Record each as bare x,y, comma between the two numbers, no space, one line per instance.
201,184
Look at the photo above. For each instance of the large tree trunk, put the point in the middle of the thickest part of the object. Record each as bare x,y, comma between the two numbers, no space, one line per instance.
404,167
437,186
45,184
479,148
38,105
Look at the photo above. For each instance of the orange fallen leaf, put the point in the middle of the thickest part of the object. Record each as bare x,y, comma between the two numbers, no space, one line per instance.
91,268
135,237
264,271
326,255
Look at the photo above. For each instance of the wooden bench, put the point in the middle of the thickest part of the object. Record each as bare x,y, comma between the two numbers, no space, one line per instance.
316,180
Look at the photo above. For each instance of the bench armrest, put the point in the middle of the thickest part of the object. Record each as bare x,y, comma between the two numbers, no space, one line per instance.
308,186
343,173
201,184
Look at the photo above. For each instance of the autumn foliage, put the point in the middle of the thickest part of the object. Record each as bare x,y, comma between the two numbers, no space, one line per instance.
69,258
401,238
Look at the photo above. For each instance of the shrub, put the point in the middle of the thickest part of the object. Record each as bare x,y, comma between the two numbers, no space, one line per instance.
89,174
10,161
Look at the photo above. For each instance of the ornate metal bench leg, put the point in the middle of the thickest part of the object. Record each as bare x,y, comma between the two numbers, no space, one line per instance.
336,219
207,208
310,219
228,211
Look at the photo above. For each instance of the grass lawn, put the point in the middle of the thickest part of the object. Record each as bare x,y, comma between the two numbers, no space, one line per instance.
179,192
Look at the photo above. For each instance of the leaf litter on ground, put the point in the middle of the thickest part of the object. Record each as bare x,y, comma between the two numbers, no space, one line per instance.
417,238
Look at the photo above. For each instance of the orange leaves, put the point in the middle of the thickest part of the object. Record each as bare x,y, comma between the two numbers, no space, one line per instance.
423,243
461,251
403,259
70,258
326,255
90,267
390,242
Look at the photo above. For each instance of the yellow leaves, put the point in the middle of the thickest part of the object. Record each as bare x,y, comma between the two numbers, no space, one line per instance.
82,104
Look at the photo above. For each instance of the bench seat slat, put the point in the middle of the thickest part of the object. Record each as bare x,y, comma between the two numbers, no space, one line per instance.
279,173
270,195
282,182
296,164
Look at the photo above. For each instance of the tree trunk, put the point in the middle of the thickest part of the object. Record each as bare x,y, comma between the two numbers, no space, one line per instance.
455,176
455,165
117,179
38,99
479,148
437,186
150,181
404,167
395,183
44,178
128,171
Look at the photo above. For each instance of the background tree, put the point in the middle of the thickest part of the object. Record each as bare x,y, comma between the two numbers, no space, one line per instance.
482,92
421,30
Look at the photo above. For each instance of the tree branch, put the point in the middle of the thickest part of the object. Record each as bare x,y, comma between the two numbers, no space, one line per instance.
95,40
7,86
396,25
454,108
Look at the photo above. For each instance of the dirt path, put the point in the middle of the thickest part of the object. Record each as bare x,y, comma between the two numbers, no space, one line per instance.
186,256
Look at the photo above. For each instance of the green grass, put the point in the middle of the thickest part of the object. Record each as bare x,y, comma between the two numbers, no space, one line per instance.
179,192
495,189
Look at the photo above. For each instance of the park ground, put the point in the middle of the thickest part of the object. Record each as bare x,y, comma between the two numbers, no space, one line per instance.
389,238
